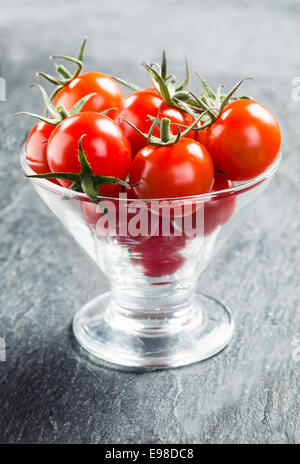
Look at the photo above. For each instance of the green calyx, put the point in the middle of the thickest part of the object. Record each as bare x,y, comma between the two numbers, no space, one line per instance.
59,113
210,102
164,84
166,136
64,76
84,181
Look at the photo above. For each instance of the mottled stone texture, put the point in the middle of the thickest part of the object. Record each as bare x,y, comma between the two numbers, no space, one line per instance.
50,391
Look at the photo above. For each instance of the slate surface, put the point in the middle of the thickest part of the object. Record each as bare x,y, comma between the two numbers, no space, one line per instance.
50,391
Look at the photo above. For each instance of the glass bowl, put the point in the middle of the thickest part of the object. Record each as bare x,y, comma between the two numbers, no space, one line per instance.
152,252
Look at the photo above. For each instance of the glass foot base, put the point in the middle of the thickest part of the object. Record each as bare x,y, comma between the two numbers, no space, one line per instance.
208,331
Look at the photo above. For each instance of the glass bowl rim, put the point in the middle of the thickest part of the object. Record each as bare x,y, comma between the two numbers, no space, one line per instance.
239,188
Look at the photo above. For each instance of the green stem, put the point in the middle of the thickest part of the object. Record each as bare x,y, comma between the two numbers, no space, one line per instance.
60,69
129,85
82,48
164,66
49,78
165,130
63,113
89,188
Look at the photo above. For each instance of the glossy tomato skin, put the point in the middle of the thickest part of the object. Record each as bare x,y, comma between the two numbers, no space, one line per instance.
104,144
244,140
116,224
178,170
219,210
157,261
213,211
90,213
160,254
136,109
109,93
36,147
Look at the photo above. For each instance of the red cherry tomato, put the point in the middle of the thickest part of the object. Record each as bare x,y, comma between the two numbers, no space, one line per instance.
138,106
244,140
90,213
219,210
159,263
105,146
36,147
178,170
212,212
159,254
116,222
109,93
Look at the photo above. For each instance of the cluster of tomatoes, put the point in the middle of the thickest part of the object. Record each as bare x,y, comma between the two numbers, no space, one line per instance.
158,142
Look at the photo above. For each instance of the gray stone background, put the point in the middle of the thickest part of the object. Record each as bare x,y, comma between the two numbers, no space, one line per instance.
50,391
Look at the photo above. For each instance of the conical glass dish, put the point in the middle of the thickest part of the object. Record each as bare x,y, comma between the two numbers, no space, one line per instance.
152,252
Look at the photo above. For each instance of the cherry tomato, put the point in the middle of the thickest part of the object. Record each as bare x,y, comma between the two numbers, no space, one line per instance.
109,93
244,140
219,210
159,263
178,170
138,106
90,213
214,211
116,222
105,146
36,147
159,254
